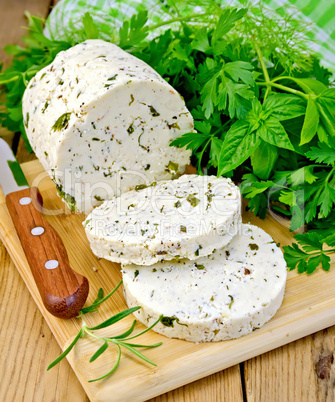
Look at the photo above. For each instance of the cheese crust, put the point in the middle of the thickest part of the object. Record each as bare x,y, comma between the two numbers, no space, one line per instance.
101,121
223,296
188,217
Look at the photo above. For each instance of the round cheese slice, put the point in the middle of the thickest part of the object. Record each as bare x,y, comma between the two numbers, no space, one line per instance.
184,218
101,121
223,296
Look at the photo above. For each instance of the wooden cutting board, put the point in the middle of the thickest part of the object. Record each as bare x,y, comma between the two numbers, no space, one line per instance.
309,306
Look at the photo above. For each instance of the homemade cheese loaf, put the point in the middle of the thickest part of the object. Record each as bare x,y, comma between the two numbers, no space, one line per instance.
101,121
188,217
225,295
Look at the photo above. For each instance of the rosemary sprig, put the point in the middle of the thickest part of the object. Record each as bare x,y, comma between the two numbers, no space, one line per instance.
120,341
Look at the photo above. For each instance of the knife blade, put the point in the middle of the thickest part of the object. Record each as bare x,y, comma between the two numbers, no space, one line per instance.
63,291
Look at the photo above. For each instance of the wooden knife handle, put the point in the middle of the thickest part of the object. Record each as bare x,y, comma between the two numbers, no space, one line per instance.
63,290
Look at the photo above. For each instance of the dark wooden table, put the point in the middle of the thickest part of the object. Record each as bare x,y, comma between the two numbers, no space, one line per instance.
301,371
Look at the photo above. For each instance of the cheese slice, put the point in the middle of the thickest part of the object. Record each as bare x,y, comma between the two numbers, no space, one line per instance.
222,296
184,218
101,121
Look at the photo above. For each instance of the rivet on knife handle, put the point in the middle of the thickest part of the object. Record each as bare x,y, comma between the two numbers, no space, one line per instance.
63,290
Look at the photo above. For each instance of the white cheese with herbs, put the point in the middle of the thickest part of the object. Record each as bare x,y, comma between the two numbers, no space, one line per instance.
222,296
184,218
101,121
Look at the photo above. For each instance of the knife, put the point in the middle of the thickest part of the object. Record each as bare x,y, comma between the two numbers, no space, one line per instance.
63,291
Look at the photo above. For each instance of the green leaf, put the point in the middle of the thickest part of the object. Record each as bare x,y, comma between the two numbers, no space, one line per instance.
302,175
66,351
258,205
263,160
135,345
99,352
312,264
240,70
324,153
232,95
209,95
327,117
330,240
297,219
326,201
214,153
190,140
310,85
98,301
310,241
325,262
227,20
90,28
134,31
252,187
238,145
144,331
126,333
272,132
113,369
327,97
310,123
117,317
200,41
288,197
137,353
284,107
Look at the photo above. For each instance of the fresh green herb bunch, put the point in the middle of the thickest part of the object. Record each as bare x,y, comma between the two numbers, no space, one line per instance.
264,110
120,341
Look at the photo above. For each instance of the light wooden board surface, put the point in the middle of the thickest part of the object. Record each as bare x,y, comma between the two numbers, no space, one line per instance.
308,307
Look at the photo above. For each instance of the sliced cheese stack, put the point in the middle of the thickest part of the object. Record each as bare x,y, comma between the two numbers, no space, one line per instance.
101,121
222,296
188,217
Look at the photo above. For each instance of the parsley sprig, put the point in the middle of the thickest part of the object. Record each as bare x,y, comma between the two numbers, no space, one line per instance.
314,250
120,340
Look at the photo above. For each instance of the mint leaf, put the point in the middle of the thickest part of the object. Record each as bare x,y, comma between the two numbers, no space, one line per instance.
327,117
238,145
310,85
273,132
284,107
327,97
263,160
310,123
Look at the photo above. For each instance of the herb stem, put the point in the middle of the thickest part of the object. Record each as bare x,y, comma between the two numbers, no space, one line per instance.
261,60
5,82
332,250
283,88
202,153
